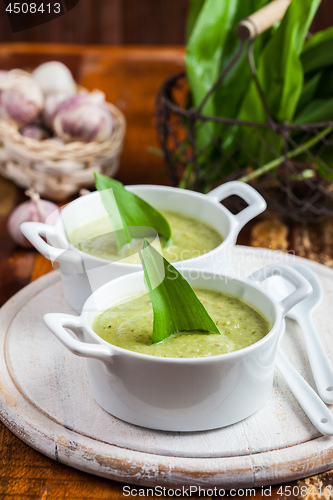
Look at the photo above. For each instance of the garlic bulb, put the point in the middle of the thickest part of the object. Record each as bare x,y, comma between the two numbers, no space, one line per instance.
15,107
4,75
9,79
51,107
34,132
36,210
21,100
54,77
96,98
84,117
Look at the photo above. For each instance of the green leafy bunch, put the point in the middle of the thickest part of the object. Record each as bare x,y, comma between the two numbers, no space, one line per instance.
294,72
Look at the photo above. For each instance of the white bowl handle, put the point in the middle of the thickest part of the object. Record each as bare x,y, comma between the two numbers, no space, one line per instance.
256,203
34,231
57,322
302,287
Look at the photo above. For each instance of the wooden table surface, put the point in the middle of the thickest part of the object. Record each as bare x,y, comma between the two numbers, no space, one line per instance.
130,77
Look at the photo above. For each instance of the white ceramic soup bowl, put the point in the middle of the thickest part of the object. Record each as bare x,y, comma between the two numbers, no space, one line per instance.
83,273
181,394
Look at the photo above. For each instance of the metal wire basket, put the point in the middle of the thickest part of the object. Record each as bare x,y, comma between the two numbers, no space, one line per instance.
295,182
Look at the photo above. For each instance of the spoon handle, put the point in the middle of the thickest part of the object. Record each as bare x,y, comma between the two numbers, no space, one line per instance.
321,368
309,400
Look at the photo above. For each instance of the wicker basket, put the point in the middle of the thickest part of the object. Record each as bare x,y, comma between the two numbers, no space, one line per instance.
55,170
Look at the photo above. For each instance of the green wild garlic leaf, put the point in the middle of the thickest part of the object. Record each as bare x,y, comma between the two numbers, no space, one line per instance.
317,53
176,307
126,211
280,76
211,45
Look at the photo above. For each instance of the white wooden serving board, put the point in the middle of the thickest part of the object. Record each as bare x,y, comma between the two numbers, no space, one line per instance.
45,401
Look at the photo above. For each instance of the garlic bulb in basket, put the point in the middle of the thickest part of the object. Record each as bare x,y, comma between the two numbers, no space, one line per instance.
34,132
16,107
83,117
21,100
53,77
35,210
4,75
51,107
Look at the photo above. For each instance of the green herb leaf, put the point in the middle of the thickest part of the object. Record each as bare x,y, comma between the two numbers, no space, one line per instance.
127,210
280,76
203,56
308,92
318,51
325,86
279,70
230,92
176,307
318,110
212,43
192,16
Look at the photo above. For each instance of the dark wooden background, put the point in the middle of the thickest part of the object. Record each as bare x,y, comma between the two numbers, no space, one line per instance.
150,22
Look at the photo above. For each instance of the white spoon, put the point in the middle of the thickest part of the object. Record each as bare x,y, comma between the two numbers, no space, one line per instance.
320,365
308,399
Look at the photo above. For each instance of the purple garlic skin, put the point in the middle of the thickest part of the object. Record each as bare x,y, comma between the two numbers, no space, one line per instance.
21,100
86,123
51,108
39,211
16,107
84,117
96,97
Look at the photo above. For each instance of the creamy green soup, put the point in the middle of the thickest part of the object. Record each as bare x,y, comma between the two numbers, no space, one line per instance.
191,237
130,325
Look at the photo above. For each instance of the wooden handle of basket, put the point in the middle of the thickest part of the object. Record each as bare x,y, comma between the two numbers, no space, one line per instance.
261,20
